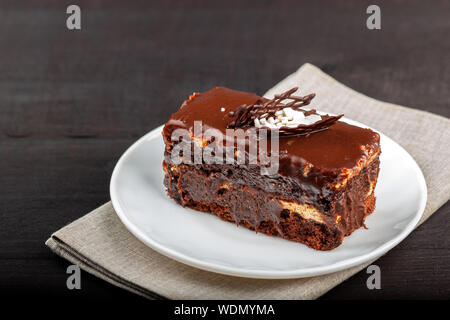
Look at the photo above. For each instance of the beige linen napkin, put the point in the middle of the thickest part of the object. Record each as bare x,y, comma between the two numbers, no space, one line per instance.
101,245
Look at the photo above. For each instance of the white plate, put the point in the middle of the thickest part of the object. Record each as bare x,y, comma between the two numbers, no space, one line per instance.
204,241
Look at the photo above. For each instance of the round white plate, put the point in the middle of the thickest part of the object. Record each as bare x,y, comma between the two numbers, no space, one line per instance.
204,241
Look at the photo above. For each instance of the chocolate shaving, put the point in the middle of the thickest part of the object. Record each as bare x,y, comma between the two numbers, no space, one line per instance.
245,115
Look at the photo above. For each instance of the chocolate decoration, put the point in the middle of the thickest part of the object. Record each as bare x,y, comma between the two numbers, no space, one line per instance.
246,114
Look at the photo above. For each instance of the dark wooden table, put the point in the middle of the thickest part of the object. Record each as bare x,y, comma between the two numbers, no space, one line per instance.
71,102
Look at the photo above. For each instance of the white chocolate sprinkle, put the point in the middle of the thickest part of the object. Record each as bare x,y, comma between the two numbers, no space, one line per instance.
287,117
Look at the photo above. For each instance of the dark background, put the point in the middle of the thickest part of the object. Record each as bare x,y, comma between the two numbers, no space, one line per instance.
71,102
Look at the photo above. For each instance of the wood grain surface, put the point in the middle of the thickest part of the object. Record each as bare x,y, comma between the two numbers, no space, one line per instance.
71,102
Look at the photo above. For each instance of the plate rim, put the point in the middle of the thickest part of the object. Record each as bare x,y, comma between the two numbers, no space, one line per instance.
255,273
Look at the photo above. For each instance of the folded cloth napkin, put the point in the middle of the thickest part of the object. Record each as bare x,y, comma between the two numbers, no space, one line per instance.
100,244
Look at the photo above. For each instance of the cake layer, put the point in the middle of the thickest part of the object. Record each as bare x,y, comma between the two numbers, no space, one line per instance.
261,206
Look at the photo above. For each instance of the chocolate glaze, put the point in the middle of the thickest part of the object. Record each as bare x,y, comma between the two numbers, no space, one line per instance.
342,146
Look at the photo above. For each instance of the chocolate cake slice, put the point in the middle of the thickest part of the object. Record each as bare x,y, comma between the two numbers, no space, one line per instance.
323,186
